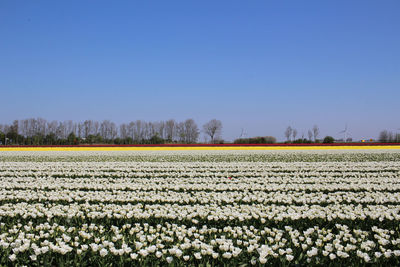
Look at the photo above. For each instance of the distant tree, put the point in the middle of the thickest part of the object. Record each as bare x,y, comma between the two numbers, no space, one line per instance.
384,136
256,140
213,129
294,134
123,131
2,138
170,129
87,128
288,133
180,132
315,132
391,137
50,139
72,140
191,131
328,140
310,134
13,132
155,139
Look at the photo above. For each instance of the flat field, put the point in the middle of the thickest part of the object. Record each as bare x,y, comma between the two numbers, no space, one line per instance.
208,208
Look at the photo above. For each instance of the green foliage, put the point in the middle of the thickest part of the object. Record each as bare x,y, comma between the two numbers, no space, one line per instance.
256,140
155,139
328,140
71,139
301,141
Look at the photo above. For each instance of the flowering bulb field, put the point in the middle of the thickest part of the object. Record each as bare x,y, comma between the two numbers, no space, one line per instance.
207,208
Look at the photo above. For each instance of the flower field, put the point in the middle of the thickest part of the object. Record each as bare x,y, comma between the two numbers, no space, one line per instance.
207,208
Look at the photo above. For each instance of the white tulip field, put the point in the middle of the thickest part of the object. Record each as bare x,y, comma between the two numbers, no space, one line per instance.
200,208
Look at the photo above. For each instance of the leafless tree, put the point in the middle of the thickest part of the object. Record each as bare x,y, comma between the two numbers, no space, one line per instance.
315,132
87,128
180,132
113,131
80,129
170,130
191,131
213,129
384,136
123,131
294,134
288,133
131,130
105,130
51,127
310,134
96,127
138,131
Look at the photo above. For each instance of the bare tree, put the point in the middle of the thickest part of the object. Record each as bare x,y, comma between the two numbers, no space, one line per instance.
170,127
80,128
87,128
105,129
288,133
391,137
41,126
123,131
315,132
180,132
310,134
96,127
213,129
191,131
51,127
113,131
384,136
131,130
294,134
138,131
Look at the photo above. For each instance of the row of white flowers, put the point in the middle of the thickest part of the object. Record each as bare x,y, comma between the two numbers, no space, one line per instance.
209,212
199,208
139,241
228,197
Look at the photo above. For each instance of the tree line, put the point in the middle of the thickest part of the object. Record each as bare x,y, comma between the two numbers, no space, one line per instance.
386,136
291,134
38,131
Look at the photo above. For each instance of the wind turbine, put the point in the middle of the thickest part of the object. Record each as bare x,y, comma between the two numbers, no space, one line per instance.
344,132
242,134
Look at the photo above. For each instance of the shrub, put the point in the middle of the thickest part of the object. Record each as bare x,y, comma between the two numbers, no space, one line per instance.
256,140
328,140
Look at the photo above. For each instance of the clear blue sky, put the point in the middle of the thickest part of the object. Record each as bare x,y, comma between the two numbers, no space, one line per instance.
257,65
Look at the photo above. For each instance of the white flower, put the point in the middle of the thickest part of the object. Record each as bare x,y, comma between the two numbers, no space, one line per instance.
332,256
289,257
143,252
103,252
169,259
13,257
178,252
262,260
186,257
227,255
159,254
197,255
